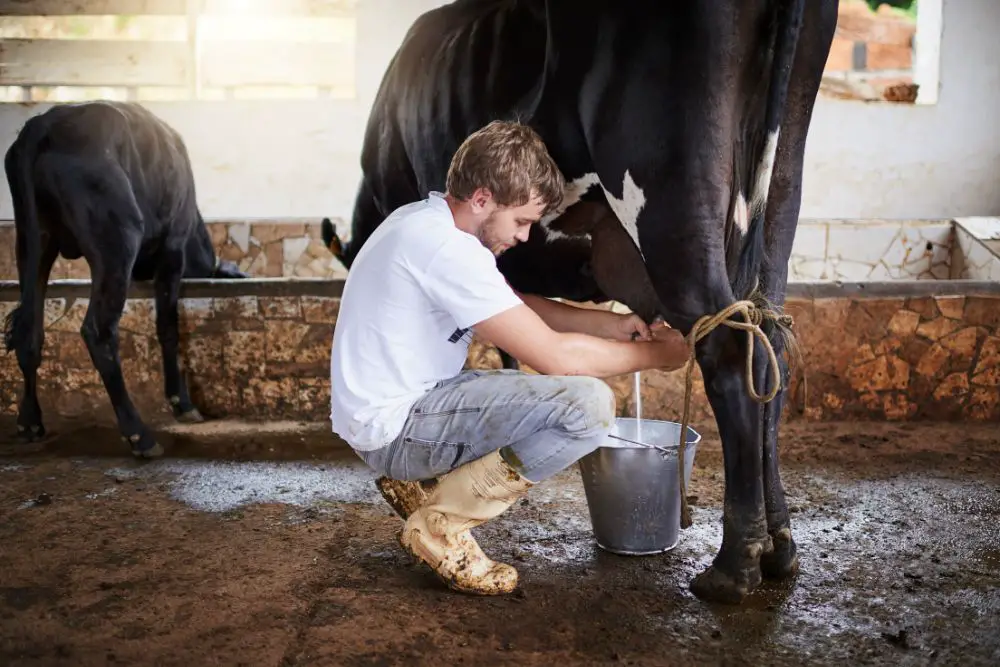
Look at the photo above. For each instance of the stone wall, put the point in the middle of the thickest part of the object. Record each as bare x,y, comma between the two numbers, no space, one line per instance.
265,249
260,351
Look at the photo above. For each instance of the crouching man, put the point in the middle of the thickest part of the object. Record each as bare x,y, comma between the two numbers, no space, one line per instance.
422,284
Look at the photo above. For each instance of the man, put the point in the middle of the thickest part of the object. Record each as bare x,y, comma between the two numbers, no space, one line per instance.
422,284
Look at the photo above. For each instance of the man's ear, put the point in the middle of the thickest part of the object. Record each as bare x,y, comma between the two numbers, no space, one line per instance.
480,199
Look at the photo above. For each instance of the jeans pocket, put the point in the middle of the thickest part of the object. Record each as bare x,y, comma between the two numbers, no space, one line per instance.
434,457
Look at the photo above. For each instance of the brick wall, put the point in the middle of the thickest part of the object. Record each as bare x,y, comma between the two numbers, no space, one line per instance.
872,54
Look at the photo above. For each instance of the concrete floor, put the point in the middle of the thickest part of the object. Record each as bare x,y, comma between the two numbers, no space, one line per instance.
195,561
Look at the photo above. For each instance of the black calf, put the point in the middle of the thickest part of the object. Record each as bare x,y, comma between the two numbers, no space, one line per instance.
112,183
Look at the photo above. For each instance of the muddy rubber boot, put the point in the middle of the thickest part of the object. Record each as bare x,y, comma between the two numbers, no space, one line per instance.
438,533
404,497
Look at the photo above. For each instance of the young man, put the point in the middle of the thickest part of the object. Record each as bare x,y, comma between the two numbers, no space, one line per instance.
423,282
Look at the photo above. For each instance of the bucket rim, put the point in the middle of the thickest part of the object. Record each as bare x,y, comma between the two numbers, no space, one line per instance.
691,432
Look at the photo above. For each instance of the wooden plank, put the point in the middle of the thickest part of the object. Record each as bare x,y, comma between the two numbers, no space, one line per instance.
315,8
81,62
266,63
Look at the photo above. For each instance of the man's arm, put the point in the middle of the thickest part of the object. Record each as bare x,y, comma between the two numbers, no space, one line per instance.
523,334
566,318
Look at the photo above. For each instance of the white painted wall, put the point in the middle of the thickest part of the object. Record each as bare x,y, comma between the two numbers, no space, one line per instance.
917,161
299,158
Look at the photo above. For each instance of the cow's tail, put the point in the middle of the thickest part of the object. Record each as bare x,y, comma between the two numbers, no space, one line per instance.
364,219
19,324
786,35
328,232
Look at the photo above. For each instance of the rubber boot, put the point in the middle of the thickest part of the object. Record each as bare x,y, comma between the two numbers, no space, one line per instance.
438,533
404,497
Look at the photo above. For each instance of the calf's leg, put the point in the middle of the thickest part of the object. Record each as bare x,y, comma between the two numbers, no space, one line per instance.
100,332
168,285
27,336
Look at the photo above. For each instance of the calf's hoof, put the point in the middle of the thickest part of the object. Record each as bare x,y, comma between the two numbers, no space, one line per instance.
144,446
782,562
191,416
30,433
714,585
184,410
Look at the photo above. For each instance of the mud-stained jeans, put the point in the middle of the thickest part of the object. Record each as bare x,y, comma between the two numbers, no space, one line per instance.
541,424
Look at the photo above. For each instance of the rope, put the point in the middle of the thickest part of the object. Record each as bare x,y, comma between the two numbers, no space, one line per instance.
705,325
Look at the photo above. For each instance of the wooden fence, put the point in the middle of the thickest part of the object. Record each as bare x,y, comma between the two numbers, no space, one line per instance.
195,66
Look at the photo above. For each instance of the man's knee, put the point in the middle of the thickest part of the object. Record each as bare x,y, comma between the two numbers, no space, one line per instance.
595,399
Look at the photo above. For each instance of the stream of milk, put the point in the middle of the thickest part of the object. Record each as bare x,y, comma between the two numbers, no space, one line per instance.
637,393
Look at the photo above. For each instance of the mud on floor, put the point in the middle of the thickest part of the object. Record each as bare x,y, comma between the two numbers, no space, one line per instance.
194,561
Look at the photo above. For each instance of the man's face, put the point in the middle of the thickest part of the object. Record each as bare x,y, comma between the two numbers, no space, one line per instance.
505,227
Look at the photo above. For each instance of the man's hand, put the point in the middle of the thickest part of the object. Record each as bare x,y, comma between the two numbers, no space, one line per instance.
672,345
629,327
524,335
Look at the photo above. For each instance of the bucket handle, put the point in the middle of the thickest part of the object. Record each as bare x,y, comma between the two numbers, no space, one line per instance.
640,444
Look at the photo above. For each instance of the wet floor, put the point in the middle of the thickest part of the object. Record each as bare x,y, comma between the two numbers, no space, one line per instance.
295,563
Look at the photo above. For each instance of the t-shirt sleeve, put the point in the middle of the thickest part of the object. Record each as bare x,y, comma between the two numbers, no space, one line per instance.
465,282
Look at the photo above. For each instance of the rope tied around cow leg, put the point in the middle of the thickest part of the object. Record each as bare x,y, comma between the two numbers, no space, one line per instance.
753,315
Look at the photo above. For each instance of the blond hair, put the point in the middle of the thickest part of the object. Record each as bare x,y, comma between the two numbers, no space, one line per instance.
510,160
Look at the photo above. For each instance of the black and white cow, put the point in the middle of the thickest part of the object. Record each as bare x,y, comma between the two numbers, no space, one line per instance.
680,127
111,182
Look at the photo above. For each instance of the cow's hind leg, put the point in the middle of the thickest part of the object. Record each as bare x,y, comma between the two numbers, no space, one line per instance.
781,559
682,233
168,287
783,206
109,291
736,569
26,335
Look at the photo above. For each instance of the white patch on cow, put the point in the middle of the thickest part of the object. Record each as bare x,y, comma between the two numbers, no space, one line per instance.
625,209
741,213
758,199
574,192
628,207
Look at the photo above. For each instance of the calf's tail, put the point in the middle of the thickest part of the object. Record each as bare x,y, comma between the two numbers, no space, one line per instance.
19,323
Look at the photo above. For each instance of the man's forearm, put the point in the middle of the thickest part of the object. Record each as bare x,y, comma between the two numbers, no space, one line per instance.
584,355
565,318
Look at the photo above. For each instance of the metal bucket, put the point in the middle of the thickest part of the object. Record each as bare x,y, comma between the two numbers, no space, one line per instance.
632,489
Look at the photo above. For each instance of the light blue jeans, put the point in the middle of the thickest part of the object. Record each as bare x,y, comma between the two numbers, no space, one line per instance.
541,424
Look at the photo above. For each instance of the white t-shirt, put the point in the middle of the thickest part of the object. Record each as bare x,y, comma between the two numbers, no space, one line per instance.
413,293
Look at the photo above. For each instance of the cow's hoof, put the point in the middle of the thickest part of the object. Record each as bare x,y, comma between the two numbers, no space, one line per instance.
713,585
32,433
782,562
192,416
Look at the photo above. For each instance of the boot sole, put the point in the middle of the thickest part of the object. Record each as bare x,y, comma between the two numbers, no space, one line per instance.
449,581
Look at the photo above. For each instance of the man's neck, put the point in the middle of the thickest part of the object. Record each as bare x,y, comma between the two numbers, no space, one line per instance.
461,214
